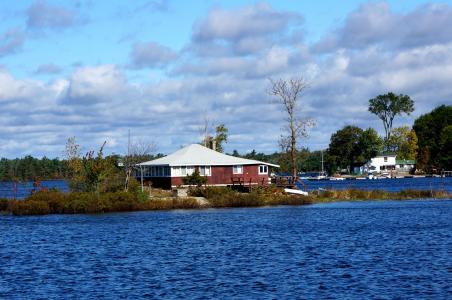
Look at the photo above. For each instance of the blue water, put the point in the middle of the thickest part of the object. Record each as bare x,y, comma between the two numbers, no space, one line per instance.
20,190
393,185
360,250
24,189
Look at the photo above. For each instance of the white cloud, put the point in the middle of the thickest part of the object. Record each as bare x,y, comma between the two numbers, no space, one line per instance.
223,71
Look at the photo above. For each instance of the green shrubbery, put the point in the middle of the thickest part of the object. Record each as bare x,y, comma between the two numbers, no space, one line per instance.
54,202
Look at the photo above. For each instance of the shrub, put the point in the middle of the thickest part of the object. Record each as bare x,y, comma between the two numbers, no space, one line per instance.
30,207
194,179
3,204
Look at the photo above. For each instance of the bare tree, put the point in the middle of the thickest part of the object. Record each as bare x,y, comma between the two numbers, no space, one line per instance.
204,130
288,93
138,152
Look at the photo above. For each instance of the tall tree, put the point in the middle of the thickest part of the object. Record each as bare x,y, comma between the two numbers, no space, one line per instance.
445,144
429,130
351,146
221,136
288,93
403,142
389,105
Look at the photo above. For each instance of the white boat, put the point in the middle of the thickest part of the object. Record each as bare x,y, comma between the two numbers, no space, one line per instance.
295,192
337,178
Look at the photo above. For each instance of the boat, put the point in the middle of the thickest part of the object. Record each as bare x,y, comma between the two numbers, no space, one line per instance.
336,178
295,192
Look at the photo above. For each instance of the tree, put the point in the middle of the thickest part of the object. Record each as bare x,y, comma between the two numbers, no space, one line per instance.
351,146
431,132
370,145
445,144
403,142
221,136
195,179
288,93
138,152
92,172
213,142
389,105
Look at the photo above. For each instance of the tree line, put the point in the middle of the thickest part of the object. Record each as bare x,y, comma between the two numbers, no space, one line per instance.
30,168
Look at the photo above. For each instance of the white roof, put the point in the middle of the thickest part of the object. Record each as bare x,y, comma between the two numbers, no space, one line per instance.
197,155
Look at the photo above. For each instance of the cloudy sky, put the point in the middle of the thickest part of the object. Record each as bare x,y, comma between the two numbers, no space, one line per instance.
95,69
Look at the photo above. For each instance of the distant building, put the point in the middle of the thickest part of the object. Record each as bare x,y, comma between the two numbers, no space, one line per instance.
219,168
386,163
405,165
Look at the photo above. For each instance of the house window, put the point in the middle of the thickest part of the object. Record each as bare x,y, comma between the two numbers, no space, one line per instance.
183,171
263,169
175,171
204,171
385,159
190,170
238,169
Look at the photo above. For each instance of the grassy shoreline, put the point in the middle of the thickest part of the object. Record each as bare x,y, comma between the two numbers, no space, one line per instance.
55,202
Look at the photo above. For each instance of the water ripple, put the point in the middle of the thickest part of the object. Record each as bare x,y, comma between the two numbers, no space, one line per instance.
345,250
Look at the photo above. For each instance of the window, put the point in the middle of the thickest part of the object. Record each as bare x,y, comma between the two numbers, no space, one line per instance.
263,169
155,171
190,170
238,169
183,171
175,171
205,171
385,159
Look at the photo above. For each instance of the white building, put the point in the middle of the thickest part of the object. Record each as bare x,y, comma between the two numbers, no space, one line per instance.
384,163
405,165
380,163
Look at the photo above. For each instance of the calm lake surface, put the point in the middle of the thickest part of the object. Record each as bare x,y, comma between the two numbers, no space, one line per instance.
381,249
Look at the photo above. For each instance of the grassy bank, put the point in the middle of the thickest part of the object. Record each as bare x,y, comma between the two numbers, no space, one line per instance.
362,195
55,202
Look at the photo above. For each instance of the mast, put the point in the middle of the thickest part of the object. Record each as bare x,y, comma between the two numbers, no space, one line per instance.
321,151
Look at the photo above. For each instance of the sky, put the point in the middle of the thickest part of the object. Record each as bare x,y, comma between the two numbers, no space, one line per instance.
95,70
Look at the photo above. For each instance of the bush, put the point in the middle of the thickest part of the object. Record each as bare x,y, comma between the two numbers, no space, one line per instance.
31,207
4,204
195,179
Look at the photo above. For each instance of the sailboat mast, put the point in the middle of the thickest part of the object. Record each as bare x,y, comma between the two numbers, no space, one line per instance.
321,151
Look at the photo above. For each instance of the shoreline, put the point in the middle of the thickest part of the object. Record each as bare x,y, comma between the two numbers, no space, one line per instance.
54,202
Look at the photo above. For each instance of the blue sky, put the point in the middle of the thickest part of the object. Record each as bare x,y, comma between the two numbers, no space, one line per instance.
95,69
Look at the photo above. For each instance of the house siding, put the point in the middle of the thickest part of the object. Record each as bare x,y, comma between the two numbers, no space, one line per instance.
221,175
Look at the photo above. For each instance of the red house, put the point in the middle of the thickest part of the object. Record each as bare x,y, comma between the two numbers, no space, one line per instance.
220,169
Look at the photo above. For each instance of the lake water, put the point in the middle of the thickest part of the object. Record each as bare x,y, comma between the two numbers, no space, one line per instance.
13,190
393,185
20,190
381,249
